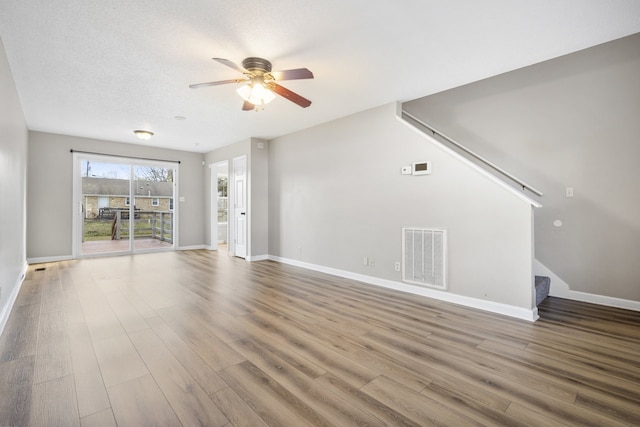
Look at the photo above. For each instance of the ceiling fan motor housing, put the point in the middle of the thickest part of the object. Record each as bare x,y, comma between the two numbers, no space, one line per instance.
256,65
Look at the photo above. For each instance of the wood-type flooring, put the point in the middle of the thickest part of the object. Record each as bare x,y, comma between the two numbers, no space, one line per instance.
198,338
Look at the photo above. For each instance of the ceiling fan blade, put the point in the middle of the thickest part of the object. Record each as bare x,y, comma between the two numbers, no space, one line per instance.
296,74
247,106
231,64
221,82
291,96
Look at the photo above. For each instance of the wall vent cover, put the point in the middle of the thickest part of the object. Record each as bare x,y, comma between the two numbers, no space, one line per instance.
424,257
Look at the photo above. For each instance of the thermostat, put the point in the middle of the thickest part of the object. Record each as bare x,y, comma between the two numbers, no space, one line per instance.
421,168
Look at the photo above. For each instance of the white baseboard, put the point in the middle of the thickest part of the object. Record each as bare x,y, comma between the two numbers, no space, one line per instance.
41,260
258,258
559,288
493,307
11,300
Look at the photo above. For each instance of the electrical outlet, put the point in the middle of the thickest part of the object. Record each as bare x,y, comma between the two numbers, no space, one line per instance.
372,262
568,192
397,266
365,261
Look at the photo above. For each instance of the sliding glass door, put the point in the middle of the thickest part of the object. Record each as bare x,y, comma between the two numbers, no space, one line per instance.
153,207
122,205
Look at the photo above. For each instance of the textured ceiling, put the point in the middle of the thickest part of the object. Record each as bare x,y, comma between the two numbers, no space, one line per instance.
101,69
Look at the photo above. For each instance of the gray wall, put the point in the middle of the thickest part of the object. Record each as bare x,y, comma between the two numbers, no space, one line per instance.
257,192
49,214
13,185
569,122
336,195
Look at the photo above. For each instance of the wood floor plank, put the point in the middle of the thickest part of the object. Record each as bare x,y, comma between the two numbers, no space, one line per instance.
92,394
415,406
130,319
140,402
199,370
118,359
99,419
623,410
52,292
531,417
318,352
436,349
190,402
303,365
403,370
269,399
322,400
20,336
364,401
236,409
30,293
54,403
194,331
15,391
53,359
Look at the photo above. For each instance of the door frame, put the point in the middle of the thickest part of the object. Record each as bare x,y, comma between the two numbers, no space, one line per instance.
247,217
78,214
214,206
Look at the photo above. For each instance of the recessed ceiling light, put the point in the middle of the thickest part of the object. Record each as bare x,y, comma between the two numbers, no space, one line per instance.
179,117
143,134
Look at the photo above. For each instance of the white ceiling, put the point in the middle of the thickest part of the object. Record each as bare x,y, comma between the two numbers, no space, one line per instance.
102,68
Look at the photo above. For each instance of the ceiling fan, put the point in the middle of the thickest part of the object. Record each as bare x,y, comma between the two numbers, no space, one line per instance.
261,82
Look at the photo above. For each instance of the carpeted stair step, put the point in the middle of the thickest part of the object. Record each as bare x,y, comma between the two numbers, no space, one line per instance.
543,284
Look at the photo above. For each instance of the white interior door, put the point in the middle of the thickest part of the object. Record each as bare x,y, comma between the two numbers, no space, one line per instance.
240,206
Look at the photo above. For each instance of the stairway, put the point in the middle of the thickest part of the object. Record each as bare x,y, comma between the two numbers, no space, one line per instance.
542,285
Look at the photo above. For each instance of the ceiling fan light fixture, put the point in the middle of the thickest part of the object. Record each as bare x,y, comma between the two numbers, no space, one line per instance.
256,94
143,134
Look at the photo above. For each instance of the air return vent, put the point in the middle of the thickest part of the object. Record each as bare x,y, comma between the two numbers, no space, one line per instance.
423,257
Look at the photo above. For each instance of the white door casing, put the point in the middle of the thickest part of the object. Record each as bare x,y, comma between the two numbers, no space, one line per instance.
240,206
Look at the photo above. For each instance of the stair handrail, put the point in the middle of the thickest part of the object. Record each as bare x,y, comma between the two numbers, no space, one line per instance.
473,154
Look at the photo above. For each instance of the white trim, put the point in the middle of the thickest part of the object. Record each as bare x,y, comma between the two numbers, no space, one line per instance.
559,288
464,159
41,260
530,315
6,310
213,245
258,258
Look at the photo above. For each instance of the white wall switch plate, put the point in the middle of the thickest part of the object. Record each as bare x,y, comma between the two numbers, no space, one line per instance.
406,170
568,192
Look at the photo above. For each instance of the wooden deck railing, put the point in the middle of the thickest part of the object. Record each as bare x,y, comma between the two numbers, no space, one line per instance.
160,225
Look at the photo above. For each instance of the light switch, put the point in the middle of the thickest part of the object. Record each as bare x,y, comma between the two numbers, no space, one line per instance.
182,199
568,192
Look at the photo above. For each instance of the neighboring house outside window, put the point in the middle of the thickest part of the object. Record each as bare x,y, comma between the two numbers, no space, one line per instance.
127,201
170,204
155,201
